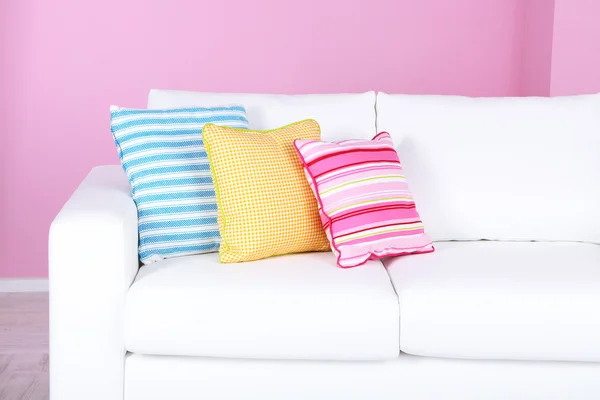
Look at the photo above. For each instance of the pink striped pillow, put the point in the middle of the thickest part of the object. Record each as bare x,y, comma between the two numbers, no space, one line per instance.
365,206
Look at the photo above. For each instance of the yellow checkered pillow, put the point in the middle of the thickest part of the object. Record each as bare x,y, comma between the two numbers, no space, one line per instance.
266,206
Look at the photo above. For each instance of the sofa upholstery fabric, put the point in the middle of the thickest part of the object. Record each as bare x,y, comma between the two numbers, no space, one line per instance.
491,300
406,377
93,259
500,168
341,116
299,327
299,306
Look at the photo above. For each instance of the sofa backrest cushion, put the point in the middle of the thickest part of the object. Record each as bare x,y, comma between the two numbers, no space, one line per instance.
500,168
340,116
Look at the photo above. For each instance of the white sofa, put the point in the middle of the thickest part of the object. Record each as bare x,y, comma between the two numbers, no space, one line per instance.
507,307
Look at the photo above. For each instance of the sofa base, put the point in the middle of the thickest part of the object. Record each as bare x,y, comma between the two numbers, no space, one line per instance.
408,377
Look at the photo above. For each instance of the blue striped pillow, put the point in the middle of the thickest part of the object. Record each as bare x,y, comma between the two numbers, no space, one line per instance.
163,155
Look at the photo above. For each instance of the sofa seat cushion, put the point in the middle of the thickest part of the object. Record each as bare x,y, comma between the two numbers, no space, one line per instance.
300,306
493,300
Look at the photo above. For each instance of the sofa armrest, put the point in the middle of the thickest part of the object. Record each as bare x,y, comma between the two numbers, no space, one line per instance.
93,259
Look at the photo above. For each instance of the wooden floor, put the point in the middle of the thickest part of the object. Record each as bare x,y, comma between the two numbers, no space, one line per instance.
23,346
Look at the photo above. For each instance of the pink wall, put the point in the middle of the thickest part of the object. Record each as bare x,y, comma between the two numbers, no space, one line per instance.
68,60
576,49
538,26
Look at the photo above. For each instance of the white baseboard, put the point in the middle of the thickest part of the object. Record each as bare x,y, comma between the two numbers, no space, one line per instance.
23,285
